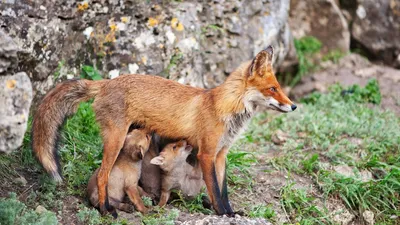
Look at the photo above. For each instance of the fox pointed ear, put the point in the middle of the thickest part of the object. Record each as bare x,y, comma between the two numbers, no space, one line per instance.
262,62
159,160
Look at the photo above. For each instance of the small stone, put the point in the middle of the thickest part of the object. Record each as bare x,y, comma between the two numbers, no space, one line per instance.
113,74
133,68
279,137
368,217
21,180
40,209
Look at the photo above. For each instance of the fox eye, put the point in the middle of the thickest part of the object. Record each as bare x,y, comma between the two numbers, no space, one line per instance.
174,148
272,89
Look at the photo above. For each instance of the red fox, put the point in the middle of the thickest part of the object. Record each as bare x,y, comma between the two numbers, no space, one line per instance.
208,119
177,173
125,174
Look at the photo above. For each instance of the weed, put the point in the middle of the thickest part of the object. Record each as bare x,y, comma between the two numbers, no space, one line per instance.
238,164
370,94
310,164
263,211
88,72
299,204
333,56
82,151
89,216
192,205
173,62
161,217
58,69
12,211
306,47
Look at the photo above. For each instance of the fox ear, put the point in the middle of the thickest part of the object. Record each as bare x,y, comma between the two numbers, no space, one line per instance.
262,62
159,160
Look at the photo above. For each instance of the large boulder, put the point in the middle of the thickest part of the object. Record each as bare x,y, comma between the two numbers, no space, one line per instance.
197,43
321,19
15,97
376,25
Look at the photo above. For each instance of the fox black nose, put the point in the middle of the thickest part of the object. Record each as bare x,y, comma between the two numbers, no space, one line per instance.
294,107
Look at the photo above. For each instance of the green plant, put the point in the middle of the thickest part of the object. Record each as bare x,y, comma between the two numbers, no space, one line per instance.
89,216
311,163
88,72
238,163
81,152
192,205
161,217
300,206
370,94
333,56
12,211
262,211
306,47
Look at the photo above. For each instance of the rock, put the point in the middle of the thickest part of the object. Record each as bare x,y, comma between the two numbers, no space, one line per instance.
40,209
279,137
344,170
21,181
15,97
321,19
354,69
197,43
376,25
223,220
8,53
369,217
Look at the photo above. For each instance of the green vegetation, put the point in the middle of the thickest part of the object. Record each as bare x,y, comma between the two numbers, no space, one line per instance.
88,72
191,205
262,211
12,211
306,47
339,128
161,217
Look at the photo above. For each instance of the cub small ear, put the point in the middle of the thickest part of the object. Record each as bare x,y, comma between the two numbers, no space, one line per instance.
262,62
159,160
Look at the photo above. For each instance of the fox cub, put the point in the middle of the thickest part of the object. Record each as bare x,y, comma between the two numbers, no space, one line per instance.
125,174
177,173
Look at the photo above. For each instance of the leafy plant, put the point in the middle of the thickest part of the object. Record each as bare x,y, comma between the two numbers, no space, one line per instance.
88,72
263,211
12,211
306,47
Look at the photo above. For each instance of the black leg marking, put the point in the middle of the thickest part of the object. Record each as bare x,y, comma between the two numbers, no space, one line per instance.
224,196
217,201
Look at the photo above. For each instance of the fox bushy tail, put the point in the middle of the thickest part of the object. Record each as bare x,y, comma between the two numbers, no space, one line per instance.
57,105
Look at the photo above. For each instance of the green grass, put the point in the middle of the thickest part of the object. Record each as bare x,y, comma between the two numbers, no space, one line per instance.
262,211
321,133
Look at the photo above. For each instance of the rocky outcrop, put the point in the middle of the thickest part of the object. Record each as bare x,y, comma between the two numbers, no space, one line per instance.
354,69
196,43
321,19
376,25
222,220
15,97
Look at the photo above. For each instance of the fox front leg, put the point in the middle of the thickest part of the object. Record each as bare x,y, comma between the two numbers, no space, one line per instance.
221,177
207,163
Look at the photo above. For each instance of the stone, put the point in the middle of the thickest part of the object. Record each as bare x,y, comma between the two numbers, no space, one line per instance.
222,220
40,209
15,100
322,19
21,181
368,217
8,53
376,26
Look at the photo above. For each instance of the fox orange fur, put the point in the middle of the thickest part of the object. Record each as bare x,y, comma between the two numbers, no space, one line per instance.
207,119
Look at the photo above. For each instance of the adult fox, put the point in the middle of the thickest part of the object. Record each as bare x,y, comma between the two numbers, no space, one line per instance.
207,119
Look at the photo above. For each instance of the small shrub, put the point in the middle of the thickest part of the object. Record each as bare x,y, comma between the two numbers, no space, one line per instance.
12,211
